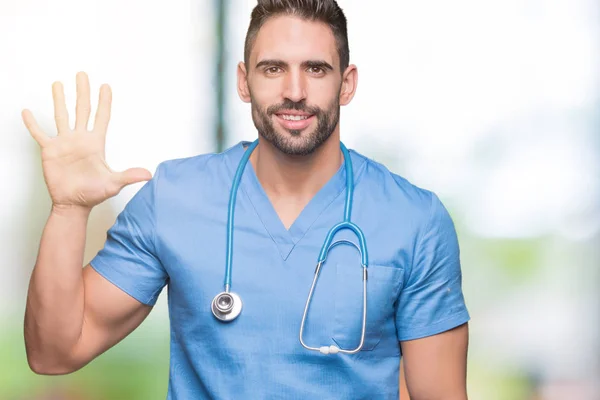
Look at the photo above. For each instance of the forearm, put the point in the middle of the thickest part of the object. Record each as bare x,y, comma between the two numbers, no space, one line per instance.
55,301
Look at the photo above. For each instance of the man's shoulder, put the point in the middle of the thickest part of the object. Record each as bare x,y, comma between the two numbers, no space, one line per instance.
197,167
387,185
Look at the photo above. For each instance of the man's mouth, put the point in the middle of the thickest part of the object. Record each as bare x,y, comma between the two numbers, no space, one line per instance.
288,117
294,120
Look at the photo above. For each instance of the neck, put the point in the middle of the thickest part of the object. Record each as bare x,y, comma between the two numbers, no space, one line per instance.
296,177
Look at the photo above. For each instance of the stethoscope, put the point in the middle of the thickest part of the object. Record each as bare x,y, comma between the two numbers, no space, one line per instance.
227,305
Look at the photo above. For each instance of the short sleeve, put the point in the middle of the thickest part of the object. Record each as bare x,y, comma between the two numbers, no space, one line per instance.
128,258
432,300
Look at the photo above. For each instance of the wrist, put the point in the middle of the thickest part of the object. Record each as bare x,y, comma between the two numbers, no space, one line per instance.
63,210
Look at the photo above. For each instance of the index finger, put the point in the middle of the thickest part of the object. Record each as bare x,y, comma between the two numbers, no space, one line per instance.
103,111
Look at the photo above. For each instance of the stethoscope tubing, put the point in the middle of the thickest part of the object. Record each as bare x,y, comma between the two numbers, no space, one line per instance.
231,210
226,306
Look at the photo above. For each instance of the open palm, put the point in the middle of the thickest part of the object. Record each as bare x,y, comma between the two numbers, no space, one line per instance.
73,162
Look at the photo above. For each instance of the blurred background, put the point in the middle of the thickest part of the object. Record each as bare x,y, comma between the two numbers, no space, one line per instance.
492,104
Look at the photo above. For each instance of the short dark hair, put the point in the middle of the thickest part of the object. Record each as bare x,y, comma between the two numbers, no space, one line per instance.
326,11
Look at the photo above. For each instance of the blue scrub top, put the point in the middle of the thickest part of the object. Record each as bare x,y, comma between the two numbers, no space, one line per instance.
173,233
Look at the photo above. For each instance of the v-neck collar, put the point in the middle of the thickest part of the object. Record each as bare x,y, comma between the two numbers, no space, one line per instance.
286,239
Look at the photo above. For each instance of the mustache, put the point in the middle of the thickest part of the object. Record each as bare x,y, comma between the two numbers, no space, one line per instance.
293,105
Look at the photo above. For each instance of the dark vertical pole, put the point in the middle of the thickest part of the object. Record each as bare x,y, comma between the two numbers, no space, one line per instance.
220,86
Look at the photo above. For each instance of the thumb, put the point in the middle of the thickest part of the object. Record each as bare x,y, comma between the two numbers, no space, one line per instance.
132,175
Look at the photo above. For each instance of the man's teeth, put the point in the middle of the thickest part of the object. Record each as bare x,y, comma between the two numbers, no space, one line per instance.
294,117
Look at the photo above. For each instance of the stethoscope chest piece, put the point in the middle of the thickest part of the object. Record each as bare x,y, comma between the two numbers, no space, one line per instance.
226,306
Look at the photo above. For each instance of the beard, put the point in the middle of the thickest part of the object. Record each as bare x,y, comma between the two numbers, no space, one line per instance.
291,141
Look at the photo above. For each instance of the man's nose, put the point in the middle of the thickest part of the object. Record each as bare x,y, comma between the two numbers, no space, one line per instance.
295,86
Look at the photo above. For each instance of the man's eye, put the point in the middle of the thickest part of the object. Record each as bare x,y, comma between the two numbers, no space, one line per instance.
316,70
272,70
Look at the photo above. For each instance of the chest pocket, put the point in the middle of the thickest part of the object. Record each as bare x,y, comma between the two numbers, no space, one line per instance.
383,286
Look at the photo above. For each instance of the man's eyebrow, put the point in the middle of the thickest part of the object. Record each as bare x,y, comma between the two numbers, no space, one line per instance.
306,64
317,64
272,63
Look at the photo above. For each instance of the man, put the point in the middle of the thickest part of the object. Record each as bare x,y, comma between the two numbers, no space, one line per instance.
296,75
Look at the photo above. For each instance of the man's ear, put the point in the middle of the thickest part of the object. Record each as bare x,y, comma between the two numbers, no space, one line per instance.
242,83
349,83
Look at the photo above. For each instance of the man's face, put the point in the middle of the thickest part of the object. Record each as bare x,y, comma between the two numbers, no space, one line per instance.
294,84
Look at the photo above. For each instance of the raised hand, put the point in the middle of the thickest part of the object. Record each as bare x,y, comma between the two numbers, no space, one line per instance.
73,162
